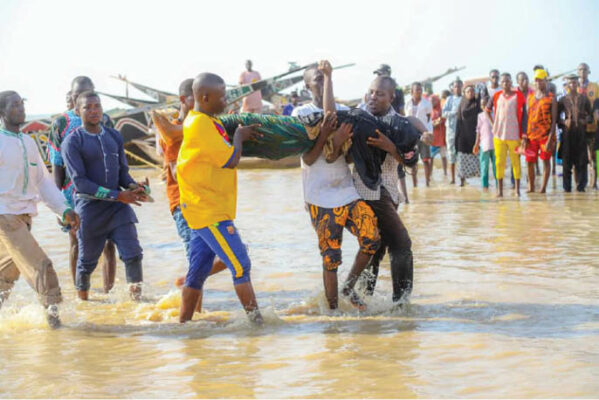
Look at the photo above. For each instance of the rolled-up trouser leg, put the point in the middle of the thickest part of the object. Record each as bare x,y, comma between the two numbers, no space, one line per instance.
9,273
18,244
133,270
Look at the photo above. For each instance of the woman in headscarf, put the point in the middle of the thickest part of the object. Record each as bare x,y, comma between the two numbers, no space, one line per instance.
467,117
438,146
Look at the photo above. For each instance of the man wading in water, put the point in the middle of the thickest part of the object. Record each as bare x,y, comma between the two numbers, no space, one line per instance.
95,159
330,195
62,127
25,180
385,199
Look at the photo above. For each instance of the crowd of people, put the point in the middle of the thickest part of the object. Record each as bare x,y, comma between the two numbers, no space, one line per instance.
92,191
477,125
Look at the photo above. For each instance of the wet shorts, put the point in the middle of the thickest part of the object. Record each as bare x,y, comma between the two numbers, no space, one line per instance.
535,149
357,217
442,150
222,240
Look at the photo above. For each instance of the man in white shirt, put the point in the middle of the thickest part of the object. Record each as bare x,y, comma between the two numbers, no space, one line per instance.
24,179
330,195
422,109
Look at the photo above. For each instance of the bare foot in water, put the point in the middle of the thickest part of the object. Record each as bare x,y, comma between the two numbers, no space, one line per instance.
83,294
354,299
135,291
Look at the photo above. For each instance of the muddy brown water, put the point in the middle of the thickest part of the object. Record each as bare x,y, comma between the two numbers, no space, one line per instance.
506,304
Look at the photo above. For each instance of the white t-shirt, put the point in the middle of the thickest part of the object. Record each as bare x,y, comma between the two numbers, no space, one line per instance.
326,185
422,111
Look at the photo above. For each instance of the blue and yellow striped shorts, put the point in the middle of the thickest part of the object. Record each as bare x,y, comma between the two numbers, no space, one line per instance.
219,240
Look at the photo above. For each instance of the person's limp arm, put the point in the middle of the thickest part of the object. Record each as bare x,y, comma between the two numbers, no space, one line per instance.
425,136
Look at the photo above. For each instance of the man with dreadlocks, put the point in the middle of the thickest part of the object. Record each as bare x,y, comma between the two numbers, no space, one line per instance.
24,180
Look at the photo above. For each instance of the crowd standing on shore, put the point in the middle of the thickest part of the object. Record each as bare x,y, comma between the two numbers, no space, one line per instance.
473,125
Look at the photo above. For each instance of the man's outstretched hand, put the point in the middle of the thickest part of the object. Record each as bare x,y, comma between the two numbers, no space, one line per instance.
249,132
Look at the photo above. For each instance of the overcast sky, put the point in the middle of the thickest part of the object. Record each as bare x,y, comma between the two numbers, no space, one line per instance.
44,44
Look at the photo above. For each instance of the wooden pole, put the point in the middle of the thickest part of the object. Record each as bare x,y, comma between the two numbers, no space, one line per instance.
138,158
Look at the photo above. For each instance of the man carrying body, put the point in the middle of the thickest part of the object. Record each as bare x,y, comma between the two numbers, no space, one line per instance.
61,128
385,199
450,113
398,105
95,159
330,195
577,112
398,97
509,124
24,180
591,90
422,109
207,176
540,137
253,102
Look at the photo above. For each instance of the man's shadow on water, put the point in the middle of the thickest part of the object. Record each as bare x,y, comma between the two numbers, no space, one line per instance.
525,320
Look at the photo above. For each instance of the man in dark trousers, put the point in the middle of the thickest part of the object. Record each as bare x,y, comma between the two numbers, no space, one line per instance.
576,111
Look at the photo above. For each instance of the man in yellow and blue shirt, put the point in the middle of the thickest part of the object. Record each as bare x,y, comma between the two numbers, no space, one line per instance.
208,187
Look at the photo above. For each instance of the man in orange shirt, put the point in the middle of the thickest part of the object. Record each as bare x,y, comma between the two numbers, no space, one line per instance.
170,143
539,138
